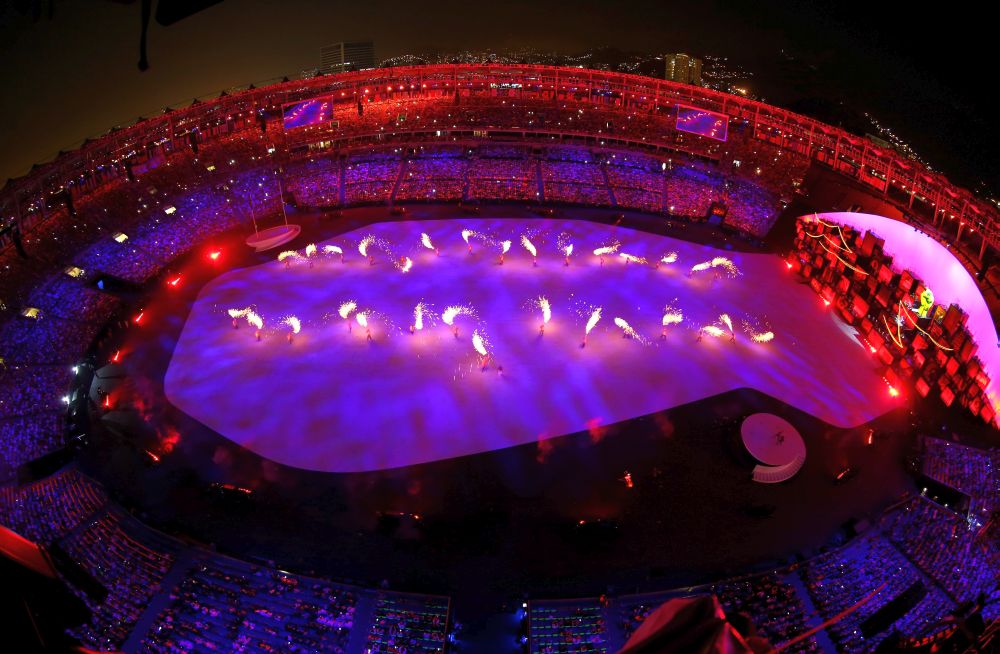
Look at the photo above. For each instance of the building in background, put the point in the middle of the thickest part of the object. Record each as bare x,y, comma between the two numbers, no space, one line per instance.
683,68
347,55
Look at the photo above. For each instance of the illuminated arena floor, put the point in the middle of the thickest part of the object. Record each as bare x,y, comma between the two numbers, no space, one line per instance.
332,401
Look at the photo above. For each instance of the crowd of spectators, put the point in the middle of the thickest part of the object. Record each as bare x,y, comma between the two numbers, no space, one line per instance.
567,627
772,604
70,299
44,340
27,390
316,182
949,548
840,579
227,605
433,178
25,438
129,566
408,624
48,509
973,471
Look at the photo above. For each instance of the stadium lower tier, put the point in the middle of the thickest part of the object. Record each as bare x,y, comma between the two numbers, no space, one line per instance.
164,596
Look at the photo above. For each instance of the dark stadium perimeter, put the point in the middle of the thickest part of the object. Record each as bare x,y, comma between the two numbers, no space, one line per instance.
502,524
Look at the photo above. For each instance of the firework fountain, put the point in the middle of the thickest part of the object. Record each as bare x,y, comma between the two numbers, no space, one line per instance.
671,316
728,322
530,247
256,322
504,248
611,248
345,310
546,308
363,249
595,317
718,262
466,235
288,256
425,240
628,258
480,345
627,330
236,314
418,318
334,249
667,259
362,318
295,324
452,312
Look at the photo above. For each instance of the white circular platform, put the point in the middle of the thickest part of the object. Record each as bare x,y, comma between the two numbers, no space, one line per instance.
771,439
273,237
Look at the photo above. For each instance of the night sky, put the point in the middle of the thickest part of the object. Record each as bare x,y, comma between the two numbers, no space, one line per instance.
926,75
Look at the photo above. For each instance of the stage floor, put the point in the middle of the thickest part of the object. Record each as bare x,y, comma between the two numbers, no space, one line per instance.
332,401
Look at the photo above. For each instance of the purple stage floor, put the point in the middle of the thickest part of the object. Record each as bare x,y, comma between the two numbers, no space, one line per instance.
335,402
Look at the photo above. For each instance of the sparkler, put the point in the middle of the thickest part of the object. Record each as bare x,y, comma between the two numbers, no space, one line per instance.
717,262
256,322
568,251
345,310
295,324
543,304
669,258
627,331
611,248
334,249
452,312
287,256
363,245
363,248
418,318
466,235
530,247
504,248
236,314
362,318
711,330
728,322
671,316
425,240
405,264
716,331
546,308
479,343
595,317
630,258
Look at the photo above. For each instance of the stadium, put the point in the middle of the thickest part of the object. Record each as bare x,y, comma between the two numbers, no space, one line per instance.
497,358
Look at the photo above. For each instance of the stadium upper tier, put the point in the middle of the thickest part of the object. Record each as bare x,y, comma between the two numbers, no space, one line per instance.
469,102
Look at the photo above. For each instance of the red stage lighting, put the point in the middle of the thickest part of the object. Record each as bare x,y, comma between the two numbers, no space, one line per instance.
175,282
214,255
138,319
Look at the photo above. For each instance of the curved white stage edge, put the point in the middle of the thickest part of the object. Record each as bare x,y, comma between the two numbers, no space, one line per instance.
774,442
942,272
